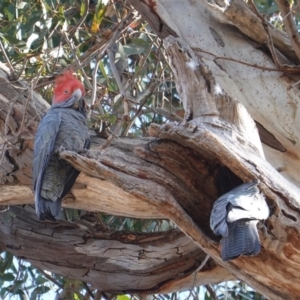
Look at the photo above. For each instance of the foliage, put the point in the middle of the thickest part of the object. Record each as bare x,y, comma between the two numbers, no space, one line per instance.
20,280
40,39
129,85
270,10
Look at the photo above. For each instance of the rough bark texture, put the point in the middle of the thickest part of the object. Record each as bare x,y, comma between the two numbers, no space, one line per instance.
113,261
177,173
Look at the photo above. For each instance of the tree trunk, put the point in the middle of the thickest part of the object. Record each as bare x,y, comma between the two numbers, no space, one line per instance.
179,171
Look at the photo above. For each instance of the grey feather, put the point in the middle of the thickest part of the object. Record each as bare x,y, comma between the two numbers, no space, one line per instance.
65,126
235,215
242,238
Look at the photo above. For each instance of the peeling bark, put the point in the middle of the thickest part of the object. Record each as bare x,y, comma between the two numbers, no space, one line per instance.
116,262
79,256
178,172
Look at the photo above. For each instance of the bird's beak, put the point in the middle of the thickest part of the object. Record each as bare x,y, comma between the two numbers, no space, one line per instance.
79,102
77,94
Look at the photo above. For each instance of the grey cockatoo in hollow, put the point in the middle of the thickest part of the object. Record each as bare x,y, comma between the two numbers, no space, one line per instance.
63,127
234,216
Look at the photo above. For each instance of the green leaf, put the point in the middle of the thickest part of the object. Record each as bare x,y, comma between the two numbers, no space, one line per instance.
272,9
17,285
141,43
120,58
123,297
61,11
98,17
22,295
22,5
101,66
82,8
13,41
49,4
32,20
3,291
71,214
7,262
76,296
117,98
7,277
112,87
10,12
39,291
41,280
137,47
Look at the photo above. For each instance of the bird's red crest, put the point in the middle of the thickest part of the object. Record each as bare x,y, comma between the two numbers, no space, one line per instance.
65,85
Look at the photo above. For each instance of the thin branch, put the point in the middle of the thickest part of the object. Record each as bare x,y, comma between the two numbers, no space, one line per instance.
7,58
144,59
85,224
61,286
72,47
211,292
280,68
94,86
144,95
11,105
114,70
29,97
88,290
266,27
97,51
111,57
200,268
195,274
3,154
94,89
82,19
290,25
114,134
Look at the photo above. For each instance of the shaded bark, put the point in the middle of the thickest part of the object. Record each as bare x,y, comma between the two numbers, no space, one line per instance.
113,261
180,170
122,269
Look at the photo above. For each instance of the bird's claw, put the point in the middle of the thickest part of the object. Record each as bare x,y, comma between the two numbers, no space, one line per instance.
59,149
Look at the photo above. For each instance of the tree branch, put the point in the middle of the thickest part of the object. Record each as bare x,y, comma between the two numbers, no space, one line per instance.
290,25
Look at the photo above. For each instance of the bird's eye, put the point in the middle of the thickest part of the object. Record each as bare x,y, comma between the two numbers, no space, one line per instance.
67,92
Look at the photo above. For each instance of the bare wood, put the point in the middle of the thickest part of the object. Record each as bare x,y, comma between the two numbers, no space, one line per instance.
175,174
21,230
102,195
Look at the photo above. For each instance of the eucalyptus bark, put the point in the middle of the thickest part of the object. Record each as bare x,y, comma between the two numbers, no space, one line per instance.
116,262
180,170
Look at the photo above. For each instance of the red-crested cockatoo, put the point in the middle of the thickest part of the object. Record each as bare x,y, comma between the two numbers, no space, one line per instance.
63,127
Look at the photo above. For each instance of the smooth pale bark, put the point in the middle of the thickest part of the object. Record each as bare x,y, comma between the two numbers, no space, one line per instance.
175,173
214,30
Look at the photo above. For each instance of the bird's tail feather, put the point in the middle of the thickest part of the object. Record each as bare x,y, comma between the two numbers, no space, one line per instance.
242,239
47,209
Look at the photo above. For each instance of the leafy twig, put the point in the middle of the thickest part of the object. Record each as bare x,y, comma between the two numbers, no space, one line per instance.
72,47
82,19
